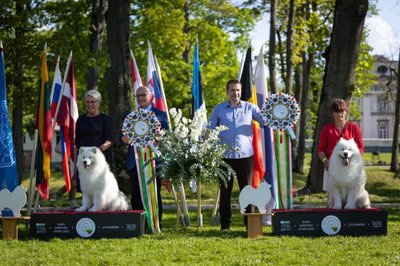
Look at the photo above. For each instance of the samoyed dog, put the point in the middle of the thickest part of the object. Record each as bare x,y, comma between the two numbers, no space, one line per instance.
346,187
99,187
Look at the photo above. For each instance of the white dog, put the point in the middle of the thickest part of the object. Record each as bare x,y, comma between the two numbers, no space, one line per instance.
99,187
346,186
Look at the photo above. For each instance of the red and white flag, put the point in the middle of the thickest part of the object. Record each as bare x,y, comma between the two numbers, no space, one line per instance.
136,78
66,118
153,83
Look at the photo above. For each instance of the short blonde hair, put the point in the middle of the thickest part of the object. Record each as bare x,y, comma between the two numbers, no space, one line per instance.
93,93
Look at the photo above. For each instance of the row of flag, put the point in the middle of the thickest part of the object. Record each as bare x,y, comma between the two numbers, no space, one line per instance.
59,104
55,104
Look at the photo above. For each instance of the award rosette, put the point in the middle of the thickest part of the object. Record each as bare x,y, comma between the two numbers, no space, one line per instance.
280,112
141,127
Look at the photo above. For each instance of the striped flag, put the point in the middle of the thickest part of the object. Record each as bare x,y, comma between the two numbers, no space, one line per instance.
197,89
66,118
56,89
8,164
153,83
249,94
45,130
266,132
136,78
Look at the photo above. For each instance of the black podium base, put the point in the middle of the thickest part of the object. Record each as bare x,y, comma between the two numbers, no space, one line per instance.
93,225
322,222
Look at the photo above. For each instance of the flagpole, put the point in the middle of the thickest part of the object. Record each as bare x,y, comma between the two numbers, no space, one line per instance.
31,190
62,89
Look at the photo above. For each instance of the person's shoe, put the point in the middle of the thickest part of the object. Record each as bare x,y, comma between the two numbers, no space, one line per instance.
74,204
225,228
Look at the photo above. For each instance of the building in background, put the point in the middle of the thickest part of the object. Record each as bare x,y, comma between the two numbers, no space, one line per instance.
377,108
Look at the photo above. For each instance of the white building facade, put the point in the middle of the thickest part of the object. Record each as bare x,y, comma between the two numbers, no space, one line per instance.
377,107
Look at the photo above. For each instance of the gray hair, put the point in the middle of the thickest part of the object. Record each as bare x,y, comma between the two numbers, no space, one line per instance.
93,93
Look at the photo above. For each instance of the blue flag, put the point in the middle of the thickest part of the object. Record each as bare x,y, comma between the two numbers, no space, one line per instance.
197,90
8,164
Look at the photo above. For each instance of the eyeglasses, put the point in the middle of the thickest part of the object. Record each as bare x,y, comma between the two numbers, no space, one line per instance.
91,102
141,95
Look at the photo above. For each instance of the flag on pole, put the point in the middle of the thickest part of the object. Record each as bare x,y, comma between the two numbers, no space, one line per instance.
136,78
153,83
266,132
164,98
8,164
45,130
56,89
249,94
197,89
66,118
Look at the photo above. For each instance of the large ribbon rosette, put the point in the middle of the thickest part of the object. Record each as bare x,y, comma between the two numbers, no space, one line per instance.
141,127
280,112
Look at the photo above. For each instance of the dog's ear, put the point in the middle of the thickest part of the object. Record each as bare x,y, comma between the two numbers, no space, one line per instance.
80,150
94,150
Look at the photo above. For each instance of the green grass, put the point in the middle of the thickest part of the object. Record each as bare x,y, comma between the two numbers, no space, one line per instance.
209,246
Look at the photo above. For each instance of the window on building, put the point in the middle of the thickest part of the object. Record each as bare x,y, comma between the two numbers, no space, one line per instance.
382,105
383,130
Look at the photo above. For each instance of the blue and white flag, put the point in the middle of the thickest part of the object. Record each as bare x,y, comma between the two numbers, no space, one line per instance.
197,89
8,164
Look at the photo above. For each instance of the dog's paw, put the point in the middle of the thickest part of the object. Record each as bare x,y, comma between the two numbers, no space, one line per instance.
94,209
349,206
81,209
337,207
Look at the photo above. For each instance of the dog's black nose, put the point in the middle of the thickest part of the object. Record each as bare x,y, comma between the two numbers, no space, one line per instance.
345,154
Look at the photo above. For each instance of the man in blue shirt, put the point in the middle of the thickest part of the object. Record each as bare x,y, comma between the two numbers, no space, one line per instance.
237,115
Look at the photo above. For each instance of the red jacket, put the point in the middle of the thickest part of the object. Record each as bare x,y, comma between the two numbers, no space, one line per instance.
330,135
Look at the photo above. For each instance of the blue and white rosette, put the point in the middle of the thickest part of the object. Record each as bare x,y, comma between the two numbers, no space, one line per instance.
141,127
280,112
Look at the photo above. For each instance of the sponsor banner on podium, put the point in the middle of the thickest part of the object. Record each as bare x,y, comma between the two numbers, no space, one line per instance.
92,225
329,222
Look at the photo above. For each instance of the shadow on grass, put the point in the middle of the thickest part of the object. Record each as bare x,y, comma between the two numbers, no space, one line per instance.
382,189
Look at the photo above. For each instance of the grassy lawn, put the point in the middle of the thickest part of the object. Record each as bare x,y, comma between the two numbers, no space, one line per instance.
209,246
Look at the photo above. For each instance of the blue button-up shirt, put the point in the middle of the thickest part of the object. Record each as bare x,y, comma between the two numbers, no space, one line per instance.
239,135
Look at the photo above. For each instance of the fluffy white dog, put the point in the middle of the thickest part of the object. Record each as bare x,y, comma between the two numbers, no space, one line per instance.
99,187
346,187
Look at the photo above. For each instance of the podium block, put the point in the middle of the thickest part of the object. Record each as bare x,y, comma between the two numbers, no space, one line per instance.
92,225
327,222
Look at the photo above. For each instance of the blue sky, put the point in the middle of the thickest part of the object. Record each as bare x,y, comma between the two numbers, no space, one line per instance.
384,34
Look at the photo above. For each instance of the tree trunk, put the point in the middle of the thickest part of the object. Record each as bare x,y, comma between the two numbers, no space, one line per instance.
289,48
307,65
186,52
339,76
118,80
298,83
271,52
98,23
281,57
17,113
394,164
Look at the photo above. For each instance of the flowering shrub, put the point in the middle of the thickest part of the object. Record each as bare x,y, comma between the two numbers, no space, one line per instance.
191,151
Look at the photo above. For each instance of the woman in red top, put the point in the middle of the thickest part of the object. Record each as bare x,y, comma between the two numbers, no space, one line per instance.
332,132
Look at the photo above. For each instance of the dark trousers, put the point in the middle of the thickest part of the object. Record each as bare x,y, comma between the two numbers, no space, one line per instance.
136,199
244,172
